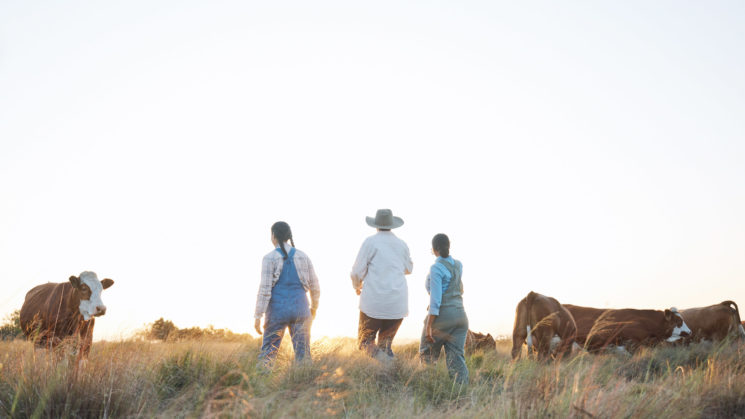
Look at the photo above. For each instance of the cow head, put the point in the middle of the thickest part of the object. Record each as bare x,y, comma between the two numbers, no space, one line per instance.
676,325
476,341
88,288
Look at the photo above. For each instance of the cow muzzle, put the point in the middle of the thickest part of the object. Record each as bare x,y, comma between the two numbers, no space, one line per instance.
100,311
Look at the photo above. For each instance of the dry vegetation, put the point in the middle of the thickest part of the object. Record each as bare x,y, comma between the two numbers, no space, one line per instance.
208,379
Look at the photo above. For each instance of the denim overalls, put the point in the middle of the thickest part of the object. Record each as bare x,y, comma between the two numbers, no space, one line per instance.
288,307
449,328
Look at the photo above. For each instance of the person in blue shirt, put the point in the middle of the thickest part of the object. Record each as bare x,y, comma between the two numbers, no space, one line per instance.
446,324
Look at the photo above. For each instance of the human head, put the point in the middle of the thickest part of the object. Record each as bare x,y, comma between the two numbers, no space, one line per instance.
441,244
281,233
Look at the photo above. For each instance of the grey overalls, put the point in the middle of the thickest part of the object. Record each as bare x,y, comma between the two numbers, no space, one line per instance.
449,328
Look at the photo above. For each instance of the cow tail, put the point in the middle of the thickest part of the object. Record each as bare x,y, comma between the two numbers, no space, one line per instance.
738,324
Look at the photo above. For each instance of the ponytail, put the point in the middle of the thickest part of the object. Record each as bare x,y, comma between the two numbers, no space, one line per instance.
281,231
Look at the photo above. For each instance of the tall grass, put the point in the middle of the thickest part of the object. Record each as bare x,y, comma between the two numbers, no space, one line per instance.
202,379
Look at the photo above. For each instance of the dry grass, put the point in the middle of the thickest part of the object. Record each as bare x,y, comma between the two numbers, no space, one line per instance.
200,379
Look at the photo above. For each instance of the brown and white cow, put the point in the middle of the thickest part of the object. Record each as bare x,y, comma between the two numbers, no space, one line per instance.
54,311
714,322
584,318
538,319
630,328
476,341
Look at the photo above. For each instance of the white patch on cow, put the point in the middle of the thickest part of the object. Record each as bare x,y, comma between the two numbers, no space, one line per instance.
620,349
555,341
92,306
529,339
676,335
742,331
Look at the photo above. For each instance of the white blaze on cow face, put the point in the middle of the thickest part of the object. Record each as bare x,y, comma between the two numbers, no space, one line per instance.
529,339
94,305
678,331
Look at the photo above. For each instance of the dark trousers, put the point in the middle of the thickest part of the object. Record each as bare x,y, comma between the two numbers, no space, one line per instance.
385,329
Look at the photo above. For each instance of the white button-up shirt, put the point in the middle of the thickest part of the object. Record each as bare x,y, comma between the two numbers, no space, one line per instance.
379,271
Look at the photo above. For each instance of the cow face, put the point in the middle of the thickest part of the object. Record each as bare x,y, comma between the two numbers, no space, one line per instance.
88,288
675,323
476,341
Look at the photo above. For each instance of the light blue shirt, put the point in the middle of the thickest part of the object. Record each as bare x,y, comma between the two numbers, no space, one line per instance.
437,283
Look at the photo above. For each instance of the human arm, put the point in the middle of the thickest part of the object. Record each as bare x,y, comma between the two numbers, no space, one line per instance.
359,269
428,328
315,289
435,289
408,263
265,291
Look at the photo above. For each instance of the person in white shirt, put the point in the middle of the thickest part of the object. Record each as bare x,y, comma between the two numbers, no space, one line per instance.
378,277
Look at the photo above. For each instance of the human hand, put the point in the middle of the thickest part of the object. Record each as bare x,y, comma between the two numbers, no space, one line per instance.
257,326
429,336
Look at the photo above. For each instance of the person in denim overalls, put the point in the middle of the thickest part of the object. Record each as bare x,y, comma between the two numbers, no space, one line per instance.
446,324
286,276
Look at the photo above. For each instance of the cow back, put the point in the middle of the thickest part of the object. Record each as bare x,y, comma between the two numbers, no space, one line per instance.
584,318
623,326
713,322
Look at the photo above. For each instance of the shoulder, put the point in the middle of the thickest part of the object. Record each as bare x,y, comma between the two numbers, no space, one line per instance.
438,267
392,238
300,255
272,256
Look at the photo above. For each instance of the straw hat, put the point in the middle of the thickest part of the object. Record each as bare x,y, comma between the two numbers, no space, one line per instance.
384,219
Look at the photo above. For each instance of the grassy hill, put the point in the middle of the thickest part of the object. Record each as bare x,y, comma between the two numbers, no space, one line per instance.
209,379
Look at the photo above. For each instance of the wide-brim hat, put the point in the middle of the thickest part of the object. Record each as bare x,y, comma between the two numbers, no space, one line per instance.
384,219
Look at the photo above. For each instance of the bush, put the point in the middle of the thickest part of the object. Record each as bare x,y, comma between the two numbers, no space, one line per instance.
11,327
165,330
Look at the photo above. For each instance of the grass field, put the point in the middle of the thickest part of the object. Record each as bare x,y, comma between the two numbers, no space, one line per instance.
203,379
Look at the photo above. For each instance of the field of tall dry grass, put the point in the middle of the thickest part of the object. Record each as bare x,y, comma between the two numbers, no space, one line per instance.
204,379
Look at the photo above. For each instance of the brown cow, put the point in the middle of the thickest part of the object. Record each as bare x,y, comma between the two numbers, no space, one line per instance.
476,341
538,319
714,322
630,328
584,318
52,312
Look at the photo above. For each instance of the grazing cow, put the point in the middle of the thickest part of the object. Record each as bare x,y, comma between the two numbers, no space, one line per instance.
714,322
631,328
476,341
52,312
584,318
538,319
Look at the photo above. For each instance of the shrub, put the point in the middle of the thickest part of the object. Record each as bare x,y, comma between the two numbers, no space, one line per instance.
11,327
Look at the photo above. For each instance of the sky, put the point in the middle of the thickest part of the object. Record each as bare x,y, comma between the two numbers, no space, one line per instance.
590,151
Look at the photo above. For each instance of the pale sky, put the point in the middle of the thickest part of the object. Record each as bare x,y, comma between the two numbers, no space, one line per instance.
590,151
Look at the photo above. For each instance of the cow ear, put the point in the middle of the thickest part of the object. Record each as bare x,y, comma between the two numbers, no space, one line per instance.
75,281
668,314
106,282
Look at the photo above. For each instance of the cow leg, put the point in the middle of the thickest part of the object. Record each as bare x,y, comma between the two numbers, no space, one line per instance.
86,340
565,348
542,340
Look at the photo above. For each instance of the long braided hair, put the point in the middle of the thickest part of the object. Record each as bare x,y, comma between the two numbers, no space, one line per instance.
441,243
281,231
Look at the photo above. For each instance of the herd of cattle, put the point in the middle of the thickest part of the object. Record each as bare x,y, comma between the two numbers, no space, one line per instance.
54,311
551,329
